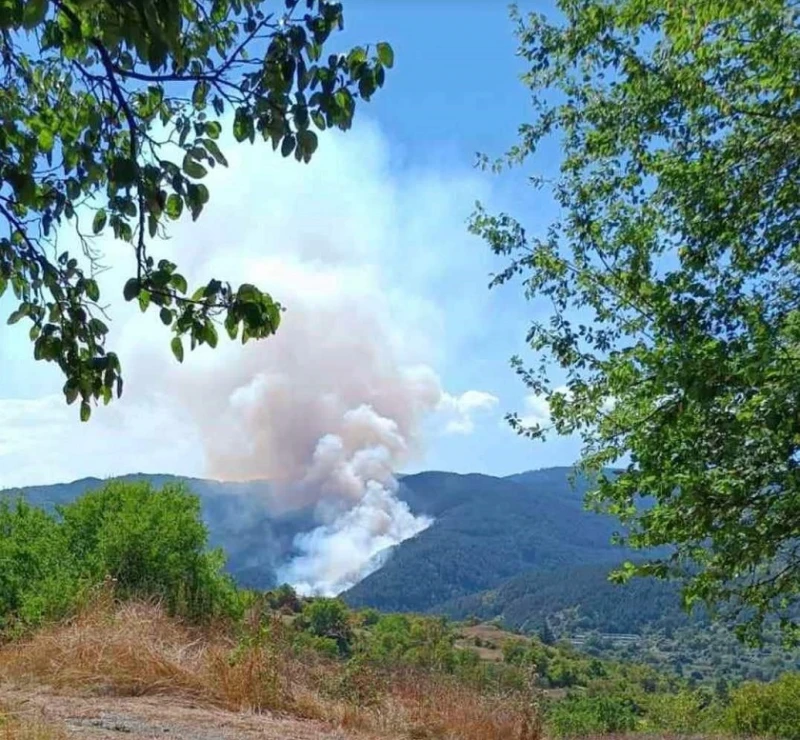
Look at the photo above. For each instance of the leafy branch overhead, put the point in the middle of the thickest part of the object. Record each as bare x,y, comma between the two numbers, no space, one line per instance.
673,273
97,96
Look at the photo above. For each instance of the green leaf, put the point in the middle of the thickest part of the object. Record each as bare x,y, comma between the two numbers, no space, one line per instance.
242,125
192,168
166,316
20,313
288,144
174,206
177,348
307,142
86,411
46,139
215,152
144,300
179,283
34,13
211,335
73,189
231,325
123,171
99,221
71,391
92,290
131,289
200,94
385,54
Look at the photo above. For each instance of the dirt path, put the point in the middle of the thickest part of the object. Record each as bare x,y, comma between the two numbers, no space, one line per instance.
146,718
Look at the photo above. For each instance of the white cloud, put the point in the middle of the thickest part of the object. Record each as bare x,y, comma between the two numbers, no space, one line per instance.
536,409
459,411
42,442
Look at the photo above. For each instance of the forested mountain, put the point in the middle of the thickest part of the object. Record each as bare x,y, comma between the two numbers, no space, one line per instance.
580,598
486,530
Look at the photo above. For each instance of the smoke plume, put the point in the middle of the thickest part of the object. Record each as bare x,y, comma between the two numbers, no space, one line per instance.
326,413
331,406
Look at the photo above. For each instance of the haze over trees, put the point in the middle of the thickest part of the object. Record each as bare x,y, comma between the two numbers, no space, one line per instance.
113,113
672,346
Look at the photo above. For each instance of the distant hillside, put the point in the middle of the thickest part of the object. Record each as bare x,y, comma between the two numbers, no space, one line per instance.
487,530
580,598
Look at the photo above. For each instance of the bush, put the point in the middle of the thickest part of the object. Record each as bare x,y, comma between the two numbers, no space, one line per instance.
771,710
38,575
330,619
149,543
585,715
683,713
284,598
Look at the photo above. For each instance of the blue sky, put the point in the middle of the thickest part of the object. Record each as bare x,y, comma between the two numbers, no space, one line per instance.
454,91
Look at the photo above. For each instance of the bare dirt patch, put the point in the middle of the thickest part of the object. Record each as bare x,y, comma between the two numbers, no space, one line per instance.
144,718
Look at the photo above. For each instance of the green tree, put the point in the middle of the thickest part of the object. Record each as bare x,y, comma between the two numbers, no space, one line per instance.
673,342
330,619
152,543
768,710
112,113
546,634
38,575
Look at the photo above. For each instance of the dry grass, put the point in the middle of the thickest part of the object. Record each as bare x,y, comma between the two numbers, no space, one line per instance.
14,727
136,650
426,707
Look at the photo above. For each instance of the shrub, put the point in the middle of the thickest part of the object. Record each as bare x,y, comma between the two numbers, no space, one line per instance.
38,574
585,715
149,543
284,598
684,713
771,710
329,618
513,651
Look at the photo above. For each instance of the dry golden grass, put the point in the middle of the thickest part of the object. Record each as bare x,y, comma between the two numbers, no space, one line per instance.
13,727
135,649
425,707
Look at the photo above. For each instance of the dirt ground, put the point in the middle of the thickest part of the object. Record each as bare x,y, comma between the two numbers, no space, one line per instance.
145,718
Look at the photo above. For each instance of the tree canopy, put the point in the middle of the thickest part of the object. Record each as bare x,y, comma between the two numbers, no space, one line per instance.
671,267
112,112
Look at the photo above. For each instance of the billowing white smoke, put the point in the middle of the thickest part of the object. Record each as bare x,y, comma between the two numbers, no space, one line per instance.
362,515
332,405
